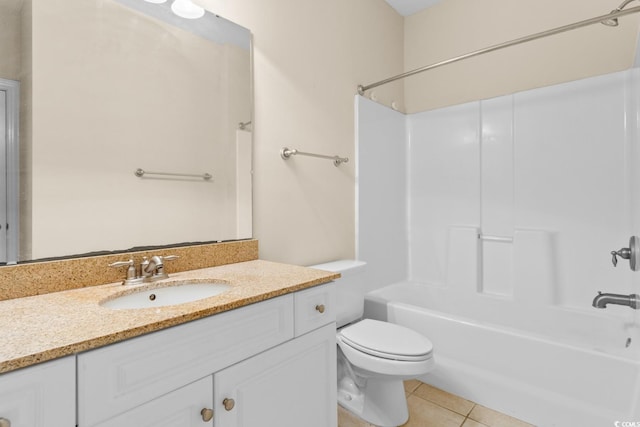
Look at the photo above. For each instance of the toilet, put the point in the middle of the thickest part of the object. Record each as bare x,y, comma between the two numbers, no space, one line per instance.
374,357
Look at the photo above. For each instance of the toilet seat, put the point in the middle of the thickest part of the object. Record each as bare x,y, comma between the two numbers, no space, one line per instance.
386,340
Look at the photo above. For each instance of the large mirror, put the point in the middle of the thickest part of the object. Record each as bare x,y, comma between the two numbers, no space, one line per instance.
110,87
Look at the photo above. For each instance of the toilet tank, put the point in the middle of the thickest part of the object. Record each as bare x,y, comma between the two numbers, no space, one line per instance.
349,289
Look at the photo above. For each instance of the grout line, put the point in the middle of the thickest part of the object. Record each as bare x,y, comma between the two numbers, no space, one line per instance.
466,417
472,408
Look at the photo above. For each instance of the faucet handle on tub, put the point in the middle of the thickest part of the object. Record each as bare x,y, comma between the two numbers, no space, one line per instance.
632,253
622,253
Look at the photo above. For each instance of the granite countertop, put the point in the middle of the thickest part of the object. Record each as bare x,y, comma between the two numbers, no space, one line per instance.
44,327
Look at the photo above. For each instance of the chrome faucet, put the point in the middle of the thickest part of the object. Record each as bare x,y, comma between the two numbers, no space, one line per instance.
153,269
601,300
150,270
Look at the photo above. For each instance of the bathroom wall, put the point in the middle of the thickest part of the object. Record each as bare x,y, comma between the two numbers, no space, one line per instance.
455,27
309,57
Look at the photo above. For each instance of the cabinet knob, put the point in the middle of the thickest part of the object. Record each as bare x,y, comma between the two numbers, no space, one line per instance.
320,308
229,404
5,422
207,414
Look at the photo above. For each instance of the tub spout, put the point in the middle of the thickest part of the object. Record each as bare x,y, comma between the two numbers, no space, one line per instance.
601,300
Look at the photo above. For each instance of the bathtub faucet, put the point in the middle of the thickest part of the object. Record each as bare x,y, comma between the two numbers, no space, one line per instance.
601,300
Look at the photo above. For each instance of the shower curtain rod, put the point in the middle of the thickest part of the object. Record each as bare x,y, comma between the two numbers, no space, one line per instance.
615,14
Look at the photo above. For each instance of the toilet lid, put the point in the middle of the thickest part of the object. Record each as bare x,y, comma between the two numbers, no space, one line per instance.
387,340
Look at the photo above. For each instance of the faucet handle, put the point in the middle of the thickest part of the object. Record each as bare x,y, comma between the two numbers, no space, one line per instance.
623,253
160,271
132,275
121,263
131,271
632,253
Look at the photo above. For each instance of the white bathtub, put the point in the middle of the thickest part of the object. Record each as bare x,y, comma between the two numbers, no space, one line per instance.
549,366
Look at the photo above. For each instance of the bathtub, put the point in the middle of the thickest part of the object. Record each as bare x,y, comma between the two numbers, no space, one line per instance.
549,366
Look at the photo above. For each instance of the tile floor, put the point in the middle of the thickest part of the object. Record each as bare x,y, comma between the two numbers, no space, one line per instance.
432,407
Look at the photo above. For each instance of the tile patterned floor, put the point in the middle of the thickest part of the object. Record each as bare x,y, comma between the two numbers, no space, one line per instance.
432,407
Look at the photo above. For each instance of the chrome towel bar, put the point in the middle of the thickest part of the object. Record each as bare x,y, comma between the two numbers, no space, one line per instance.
140,173
286,153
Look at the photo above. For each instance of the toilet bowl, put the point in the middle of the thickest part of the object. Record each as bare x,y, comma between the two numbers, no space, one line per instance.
374,357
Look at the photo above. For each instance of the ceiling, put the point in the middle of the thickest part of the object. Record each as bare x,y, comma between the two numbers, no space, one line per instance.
409,7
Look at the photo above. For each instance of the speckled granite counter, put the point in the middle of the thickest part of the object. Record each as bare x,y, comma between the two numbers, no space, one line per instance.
39,328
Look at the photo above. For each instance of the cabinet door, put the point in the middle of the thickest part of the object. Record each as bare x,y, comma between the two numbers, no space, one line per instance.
40,396
183,407
291,385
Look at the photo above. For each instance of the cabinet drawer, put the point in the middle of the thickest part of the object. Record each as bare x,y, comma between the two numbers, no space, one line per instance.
315,307
119,377
41,395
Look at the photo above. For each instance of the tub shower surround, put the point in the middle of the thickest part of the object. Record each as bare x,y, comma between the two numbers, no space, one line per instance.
504,215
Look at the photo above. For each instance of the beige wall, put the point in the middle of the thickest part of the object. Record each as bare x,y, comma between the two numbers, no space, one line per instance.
309,57
455,27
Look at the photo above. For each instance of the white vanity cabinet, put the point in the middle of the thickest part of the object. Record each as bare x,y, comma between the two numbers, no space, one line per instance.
42,395
250,356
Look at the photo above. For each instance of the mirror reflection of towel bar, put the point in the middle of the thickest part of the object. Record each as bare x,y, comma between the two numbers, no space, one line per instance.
141,172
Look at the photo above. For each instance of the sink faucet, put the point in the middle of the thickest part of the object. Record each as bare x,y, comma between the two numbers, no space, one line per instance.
153,269
601,300
150,270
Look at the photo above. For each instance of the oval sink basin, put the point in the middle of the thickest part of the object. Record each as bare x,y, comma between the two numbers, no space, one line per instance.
172,294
